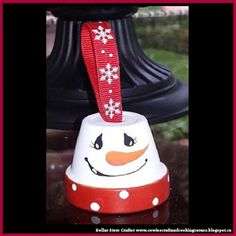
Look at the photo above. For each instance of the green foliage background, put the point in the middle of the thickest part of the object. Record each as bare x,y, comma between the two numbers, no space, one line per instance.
165,40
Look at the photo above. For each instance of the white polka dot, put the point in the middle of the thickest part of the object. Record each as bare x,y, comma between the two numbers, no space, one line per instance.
110,91
74,187
52,166
168,178
96,220
155,201
94,206
103,51
155,214
124,194
110,55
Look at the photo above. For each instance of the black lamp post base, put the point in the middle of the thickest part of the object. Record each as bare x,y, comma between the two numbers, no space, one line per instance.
147,87
66,113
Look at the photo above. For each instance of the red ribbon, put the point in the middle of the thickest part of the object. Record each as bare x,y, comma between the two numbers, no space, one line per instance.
101,59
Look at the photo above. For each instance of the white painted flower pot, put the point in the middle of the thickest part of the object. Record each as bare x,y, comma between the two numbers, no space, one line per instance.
116,167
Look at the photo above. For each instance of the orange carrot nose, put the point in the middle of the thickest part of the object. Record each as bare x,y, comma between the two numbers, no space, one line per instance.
121,158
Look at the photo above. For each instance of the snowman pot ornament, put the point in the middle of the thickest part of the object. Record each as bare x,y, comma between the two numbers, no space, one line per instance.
116,167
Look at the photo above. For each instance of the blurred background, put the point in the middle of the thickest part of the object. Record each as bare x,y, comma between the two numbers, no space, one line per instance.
163,35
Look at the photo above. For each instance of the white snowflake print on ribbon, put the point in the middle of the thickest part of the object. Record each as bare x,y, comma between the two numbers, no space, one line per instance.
102,34
109,73
112,108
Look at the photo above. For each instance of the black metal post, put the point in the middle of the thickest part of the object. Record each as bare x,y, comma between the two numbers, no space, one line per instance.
147,87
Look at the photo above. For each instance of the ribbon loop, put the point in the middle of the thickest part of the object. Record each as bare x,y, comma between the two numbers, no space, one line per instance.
101,59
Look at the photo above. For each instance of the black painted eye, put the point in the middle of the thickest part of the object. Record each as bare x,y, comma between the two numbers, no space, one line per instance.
128,141
98,143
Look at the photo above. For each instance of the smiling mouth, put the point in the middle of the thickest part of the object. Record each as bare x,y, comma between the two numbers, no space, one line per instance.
96,172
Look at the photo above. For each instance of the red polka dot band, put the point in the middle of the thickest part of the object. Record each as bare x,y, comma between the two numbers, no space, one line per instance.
101,59
117,200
